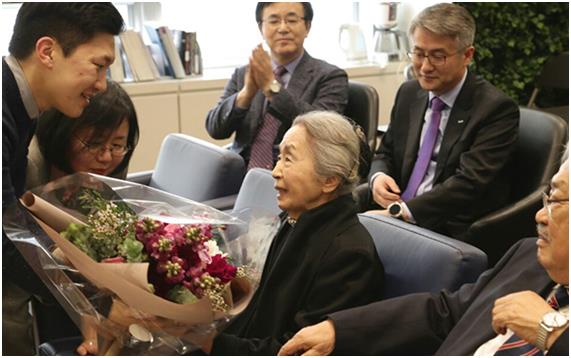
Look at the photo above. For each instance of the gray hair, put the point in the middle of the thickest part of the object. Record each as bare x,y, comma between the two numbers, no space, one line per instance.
335,147
447,20
565,155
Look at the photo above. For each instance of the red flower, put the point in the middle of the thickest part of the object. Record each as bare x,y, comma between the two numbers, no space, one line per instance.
221,269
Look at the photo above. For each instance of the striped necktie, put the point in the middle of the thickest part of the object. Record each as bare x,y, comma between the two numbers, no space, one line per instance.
516,346
262,152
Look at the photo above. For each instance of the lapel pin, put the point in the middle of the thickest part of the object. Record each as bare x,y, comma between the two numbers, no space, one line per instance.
461,121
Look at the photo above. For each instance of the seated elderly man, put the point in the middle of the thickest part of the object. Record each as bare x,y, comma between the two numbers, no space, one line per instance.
261,99
520,307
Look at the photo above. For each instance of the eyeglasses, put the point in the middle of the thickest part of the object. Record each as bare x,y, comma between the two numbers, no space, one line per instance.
117,150
290,20
547,203
418,57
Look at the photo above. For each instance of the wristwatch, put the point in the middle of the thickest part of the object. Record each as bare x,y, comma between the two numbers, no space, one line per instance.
395,209
550,321
275,87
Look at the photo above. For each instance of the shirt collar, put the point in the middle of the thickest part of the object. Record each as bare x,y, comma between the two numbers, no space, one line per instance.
25,91
450,97
290,67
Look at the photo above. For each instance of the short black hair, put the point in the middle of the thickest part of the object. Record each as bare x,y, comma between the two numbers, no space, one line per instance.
104,114
71,24
307,11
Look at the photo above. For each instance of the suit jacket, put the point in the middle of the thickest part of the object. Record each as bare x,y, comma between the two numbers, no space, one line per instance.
446,323
325,263
472,172
314,85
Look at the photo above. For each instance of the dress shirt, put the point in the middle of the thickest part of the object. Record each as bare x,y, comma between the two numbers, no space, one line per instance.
24,87
491,347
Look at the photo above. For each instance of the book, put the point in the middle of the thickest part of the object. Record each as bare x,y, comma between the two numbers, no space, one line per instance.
196,56
158,52
116,71
139,58
171,51
186,58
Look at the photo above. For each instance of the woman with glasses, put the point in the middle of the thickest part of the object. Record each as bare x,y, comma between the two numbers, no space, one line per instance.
101,141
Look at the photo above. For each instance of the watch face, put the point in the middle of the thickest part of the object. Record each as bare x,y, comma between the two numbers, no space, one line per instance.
395,209
275,86
555,319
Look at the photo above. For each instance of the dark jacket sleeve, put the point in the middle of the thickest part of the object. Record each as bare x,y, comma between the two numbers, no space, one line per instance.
347,277
414,324
561,345
223,120
331,94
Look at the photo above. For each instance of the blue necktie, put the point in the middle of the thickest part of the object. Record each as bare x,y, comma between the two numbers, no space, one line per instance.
516,346
426,150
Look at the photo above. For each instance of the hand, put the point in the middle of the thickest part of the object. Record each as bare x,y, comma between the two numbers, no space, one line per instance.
378,212
247,93
521,312
261,67
316,340
385,190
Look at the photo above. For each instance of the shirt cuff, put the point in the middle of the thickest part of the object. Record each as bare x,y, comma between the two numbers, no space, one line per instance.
407,215
375,176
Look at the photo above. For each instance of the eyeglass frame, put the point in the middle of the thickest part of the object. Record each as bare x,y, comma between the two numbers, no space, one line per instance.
282,20
429,56
97,149
547,203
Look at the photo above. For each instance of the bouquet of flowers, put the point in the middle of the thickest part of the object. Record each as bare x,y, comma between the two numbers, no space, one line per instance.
134,264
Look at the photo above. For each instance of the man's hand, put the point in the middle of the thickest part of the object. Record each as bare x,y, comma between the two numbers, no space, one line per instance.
247,93
378,212
385,190
261,68
521,312
316,340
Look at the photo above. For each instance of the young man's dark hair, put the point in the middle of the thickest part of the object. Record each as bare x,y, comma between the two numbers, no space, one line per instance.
71,24
307,11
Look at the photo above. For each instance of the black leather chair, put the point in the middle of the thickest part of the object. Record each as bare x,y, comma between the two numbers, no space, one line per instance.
363,108
554,75
540,145
420,260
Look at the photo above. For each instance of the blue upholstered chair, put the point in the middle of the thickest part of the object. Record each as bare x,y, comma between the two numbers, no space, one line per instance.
194,169
420,260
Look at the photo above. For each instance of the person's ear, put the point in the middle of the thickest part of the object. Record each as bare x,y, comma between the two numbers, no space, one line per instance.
469,55
331,184
45,49
307,28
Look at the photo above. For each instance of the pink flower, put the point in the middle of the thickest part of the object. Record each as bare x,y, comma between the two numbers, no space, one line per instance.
172,269
114,260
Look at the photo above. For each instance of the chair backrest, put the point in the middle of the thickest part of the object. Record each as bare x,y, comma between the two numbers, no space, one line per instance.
258,192
539,146
420,260
555,72
363,108
196,169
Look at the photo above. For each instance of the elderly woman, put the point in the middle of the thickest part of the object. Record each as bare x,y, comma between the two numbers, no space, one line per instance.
322,259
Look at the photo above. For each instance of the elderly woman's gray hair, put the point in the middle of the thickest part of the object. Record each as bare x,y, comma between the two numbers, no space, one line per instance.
447,20
335,147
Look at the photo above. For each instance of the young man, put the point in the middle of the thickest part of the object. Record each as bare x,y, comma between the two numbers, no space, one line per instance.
444,161
261,100
59,54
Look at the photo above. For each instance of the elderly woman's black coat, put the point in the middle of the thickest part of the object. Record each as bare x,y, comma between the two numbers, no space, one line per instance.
325,263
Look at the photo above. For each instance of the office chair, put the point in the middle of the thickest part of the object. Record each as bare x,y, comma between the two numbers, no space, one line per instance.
536,159
363,108
554,75
194,169
420,260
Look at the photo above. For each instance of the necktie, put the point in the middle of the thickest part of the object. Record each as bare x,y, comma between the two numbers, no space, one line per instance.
261,154
516,346
426,150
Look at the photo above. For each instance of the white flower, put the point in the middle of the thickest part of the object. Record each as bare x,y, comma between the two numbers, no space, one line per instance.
213,248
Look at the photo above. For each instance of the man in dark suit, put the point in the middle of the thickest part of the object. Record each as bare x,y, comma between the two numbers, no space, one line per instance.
522,303
261,99
59,54
444,160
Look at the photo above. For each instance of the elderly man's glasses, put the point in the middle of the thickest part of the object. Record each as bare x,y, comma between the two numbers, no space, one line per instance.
290,20
548,203
117,150
435,59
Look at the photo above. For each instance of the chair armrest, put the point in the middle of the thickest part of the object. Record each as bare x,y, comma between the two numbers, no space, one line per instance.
222,203
143,177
